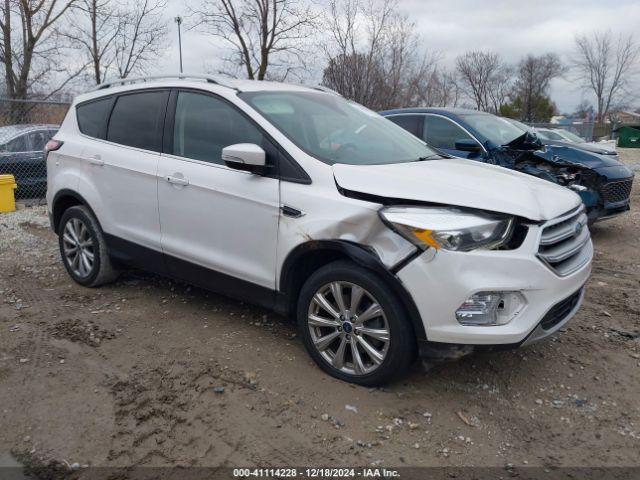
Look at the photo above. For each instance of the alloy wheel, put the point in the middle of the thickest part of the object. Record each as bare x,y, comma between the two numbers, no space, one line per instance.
78,247
348,328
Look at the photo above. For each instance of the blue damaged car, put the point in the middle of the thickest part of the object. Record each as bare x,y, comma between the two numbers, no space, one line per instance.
603,183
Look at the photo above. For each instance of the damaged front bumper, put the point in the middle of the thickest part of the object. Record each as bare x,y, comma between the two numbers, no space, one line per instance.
440,282
605,190
614,192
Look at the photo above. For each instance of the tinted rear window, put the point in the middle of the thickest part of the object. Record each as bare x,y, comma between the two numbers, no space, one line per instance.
92,117
137,119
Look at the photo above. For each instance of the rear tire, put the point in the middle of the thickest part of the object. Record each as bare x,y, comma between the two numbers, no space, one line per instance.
83,248
353,326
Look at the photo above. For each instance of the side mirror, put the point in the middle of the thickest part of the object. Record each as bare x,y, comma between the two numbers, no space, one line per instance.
245,156
467,145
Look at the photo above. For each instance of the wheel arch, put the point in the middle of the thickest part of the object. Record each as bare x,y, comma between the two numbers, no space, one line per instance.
306,258
62,201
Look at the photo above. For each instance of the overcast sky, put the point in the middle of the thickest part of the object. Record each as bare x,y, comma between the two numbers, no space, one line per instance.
451,27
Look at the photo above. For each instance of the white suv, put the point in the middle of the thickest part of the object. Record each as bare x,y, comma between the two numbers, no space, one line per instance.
299,200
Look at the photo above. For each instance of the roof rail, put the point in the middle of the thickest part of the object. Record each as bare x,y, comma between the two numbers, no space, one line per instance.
324,89
181,76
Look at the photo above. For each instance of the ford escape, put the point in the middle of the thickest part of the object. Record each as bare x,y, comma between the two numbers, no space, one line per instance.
298,200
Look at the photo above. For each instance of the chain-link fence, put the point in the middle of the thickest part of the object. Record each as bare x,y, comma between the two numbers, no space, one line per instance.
25,128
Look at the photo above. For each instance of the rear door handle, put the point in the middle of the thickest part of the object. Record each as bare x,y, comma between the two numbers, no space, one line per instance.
96,160
177,180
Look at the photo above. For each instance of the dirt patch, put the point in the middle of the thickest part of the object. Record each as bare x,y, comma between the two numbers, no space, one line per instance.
80,331
42,469
38,230
192,378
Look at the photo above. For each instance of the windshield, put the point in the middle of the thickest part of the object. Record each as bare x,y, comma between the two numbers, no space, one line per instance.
498,130
334,130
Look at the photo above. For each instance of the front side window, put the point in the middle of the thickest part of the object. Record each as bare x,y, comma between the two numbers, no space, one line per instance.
92,117
334,130
136,120
440,132
39,139
204,125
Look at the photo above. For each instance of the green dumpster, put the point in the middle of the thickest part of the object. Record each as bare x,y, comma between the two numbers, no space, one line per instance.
628,136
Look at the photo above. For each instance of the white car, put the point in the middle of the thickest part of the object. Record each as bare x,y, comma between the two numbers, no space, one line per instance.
565,137
299,200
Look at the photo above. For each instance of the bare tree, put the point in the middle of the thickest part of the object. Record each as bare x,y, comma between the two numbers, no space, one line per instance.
447,88
534,74
500,87
116,39
353,67
141,38
584,110
374,56
93,30
30,47
441,89
606,66
485,78
267,37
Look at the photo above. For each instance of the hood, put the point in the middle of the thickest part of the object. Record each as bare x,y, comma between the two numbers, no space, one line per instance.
585,147
569,152
582,157
613,173
461,183
551,151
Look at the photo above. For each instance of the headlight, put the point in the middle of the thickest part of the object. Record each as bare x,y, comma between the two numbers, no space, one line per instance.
448,228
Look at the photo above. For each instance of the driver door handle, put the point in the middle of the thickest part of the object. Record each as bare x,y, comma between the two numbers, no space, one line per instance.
177,180
96,160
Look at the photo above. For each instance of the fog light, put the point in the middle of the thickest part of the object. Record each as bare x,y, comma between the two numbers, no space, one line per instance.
490,308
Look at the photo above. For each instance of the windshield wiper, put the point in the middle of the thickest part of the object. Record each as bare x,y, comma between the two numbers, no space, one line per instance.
428,157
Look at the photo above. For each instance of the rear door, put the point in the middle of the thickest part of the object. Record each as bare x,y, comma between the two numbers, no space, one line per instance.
412,123
120,172
15,159
218,224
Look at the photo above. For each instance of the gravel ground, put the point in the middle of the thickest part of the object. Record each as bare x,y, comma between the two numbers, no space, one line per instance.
152,372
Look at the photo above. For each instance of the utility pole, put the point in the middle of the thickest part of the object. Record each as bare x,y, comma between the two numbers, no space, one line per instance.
178,20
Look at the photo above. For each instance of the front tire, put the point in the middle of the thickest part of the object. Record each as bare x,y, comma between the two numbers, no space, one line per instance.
83,248
354,327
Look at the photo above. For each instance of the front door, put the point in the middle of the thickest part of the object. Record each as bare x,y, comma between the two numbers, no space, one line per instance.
218,224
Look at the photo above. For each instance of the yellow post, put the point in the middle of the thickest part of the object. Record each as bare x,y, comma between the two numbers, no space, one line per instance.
7,199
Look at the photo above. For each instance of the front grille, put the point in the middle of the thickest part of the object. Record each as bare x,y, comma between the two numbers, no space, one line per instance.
614,192
564,241
560,311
